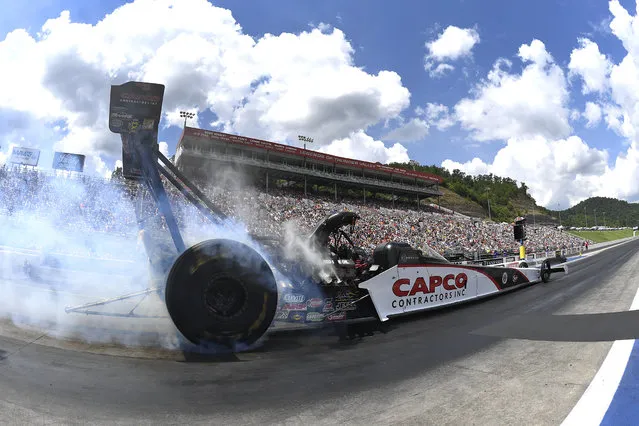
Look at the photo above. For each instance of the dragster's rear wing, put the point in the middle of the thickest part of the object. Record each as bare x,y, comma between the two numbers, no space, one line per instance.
135,112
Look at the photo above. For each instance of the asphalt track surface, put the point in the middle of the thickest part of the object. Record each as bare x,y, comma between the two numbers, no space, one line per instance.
524,357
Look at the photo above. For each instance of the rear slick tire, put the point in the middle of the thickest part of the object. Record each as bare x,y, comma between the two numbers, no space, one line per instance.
221,293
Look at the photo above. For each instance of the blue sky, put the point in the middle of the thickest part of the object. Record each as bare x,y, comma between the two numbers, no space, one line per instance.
392,35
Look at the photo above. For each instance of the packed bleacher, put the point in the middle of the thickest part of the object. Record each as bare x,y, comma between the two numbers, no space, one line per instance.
85,204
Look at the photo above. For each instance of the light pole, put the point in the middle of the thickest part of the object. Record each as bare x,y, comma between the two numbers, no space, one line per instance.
186,115
309,140
595,218
604,219
304,139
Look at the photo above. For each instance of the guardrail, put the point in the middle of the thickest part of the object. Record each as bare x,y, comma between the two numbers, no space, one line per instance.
515,258
541,255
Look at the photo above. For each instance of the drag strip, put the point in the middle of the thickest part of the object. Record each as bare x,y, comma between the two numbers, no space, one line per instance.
503,360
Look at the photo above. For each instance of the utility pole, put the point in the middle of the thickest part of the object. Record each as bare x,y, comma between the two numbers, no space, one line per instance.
595,217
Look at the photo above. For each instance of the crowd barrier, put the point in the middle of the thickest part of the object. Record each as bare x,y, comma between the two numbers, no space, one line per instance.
572,251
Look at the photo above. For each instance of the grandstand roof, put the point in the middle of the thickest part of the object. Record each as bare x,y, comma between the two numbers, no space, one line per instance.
195,135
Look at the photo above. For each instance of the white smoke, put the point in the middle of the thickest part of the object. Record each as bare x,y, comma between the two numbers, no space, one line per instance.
66,242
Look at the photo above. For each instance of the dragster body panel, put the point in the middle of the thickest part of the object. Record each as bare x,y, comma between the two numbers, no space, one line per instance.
404,289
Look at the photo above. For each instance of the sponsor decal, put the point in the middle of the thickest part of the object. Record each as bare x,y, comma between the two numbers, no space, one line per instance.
403,287
345,306
336,317
314,317
121,115
438,289
148,123
281,315
294,298
328,305
315,303
297,316
515,278
504,278
294,307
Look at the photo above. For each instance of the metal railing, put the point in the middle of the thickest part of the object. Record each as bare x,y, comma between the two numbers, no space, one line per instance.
310,172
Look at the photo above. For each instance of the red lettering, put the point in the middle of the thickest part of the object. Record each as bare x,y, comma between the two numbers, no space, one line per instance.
448,278
434,282
397,287
461,280
419,286
450,282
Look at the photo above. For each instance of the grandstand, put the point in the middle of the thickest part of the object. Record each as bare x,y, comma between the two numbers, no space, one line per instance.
200,151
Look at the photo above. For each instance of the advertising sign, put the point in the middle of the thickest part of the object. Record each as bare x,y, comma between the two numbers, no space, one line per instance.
69,162
24,156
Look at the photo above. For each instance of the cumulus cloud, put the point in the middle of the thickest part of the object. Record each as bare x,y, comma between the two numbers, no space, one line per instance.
452,44
164,148
557,167
592,114
369,149
272,87
437,115
526,105
591,65
414,130
563,171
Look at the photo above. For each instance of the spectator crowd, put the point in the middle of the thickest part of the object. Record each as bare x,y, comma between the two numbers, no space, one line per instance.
84,204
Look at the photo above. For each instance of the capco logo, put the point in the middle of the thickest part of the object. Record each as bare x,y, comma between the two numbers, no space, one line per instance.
403,287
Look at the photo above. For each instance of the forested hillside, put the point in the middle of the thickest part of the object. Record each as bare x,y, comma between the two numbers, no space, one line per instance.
508,198
602,211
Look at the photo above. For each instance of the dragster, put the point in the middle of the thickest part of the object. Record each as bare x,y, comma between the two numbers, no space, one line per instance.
226,292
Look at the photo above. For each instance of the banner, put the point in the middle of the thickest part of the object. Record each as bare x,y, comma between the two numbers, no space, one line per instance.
24,156
68,162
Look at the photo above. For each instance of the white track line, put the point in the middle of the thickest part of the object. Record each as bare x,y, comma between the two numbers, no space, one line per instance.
594,403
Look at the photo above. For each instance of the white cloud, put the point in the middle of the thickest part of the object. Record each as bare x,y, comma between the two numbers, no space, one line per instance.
164,148
592,114
361,146
565,169
591,65
273,87
523,105
437,115
562,171
414,130
439,71
452,44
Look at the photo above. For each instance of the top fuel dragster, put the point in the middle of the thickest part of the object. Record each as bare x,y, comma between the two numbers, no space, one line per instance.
226,292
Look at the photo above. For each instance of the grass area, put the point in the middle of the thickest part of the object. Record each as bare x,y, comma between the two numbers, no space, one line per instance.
603,236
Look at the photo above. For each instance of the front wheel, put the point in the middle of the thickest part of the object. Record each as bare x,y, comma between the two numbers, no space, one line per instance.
221,292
